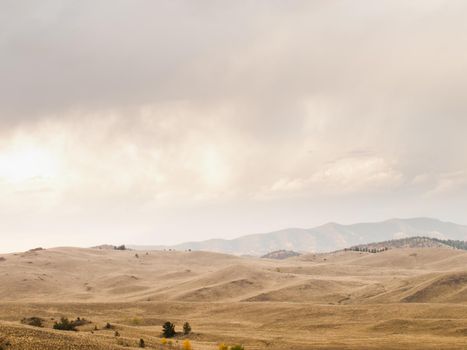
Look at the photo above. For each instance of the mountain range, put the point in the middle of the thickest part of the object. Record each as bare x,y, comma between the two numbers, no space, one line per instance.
324,238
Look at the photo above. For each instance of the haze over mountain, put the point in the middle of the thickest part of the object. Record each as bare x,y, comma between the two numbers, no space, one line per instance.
328,237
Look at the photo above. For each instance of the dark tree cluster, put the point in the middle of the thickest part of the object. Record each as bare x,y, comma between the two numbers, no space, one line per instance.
409,242
367,249
66,325
453,243
168,329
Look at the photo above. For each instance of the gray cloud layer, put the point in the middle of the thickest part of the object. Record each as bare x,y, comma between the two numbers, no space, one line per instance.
237,116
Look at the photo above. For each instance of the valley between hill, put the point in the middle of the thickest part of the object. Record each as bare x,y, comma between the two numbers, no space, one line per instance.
400,298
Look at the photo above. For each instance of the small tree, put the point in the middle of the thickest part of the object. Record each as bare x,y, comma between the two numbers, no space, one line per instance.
168,330
187,345
141,343
186,328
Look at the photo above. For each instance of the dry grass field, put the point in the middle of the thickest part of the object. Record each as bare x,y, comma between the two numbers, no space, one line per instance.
397,299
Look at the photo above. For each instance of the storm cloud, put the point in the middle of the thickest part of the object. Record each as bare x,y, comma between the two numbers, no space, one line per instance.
163,121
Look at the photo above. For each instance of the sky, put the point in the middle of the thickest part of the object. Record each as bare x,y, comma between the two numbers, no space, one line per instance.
158,122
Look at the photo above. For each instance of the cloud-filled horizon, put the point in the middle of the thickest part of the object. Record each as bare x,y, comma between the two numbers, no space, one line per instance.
157,122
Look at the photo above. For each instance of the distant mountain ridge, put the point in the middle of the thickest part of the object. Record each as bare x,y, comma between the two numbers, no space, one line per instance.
325,238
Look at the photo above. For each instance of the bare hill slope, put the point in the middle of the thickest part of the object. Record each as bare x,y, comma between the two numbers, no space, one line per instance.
110,275
400,298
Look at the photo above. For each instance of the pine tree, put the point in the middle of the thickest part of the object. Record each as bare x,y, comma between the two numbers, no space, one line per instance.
168,330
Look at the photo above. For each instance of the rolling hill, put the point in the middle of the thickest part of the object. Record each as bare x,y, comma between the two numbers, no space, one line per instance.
400,298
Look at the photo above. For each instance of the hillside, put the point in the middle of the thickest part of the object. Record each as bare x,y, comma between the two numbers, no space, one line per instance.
347,296
280,254
325,238
112,275
410,242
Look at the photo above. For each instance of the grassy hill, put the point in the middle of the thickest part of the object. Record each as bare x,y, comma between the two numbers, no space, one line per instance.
401,298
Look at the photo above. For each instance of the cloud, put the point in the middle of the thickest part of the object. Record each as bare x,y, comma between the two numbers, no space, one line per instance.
453,183
345,176
144,109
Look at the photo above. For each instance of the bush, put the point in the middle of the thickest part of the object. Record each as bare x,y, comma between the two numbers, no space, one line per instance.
187,345
65,325
237,347
186,328
33,321
168,330
80,322
109,326
223,347
141,343
163,341
4,344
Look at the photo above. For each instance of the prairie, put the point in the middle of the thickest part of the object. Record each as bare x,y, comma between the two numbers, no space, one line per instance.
400,298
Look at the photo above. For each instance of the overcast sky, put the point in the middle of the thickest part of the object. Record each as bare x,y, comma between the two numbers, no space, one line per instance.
154,122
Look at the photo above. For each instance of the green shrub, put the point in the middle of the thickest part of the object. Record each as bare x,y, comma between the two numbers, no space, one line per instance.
237,347
33,321
65,325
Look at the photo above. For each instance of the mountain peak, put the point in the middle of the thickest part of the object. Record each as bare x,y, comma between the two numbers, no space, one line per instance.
328,237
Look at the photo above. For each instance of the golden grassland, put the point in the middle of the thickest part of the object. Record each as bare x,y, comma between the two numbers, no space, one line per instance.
398,299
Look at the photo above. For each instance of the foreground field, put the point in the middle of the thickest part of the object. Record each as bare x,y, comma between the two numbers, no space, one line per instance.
408,298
